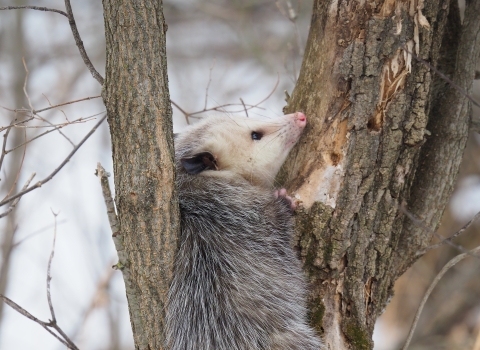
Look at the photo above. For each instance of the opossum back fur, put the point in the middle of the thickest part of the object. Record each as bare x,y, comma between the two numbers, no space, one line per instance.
237,283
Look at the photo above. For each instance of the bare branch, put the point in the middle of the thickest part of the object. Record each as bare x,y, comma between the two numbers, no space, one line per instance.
221,108
79,42
5,137
455,235
443,76
442,272
49,276
245,108
50,104
208,84
17,123
38,8
35,111
422,225
65,161
25,83
65,103
53,321
186,114
25,313
35,233
419,223
56,127
269,95
45,325
15,202
112,216
123,264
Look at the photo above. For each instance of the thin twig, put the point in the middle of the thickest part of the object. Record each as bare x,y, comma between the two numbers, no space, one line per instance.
117,238
50,104
79,42
18,199
48,122
209,81
25,83
38,8
65,161
35,111
35,233
447,267
5,137
455,235
49,276
65,103
52,125
269,95
58,129
16,124
245,108
221,108
107,197
28,315
186,114
79,120
422,225
443,76
31,107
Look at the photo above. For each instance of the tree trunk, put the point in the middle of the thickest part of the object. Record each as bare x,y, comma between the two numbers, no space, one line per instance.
383,132
139,114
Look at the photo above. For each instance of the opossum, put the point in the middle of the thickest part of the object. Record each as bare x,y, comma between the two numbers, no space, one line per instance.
237,283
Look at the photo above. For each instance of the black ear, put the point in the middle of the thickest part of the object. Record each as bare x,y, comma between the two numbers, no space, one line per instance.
199,162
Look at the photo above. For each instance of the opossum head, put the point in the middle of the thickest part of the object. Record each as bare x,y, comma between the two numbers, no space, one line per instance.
229,146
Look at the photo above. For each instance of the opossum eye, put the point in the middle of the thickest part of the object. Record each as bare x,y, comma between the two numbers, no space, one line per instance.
199,162
256,135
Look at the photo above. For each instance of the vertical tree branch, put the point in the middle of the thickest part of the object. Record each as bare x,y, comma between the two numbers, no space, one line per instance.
139,114
79,42
368,104
434,283
441,155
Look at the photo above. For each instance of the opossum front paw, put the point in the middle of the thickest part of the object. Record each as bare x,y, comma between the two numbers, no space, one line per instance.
282,193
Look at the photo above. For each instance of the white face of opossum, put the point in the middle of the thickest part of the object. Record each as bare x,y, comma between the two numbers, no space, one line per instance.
255,149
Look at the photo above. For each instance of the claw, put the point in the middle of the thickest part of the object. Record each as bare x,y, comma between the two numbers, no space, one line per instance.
283,193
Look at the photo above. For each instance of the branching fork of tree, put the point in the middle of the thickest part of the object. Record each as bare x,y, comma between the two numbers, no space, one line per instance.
385,139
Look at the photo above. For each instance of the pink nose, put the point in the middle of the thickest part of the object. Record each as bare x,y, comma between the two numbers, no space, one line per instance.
300,119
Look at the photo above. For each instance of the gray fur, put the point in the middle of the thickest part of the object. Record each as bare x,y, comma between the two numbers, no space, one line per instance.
237,283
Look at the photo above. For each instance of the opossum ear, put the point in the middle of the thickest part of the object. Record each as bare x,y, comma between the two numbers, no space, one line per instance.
199,162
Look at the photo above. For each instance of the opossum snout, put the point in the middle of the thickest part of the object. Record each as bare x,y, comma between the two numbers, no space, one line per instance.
298,118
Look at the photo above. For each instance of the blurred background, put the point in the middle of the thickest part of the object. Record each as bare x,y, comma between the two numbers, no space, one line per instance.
245,50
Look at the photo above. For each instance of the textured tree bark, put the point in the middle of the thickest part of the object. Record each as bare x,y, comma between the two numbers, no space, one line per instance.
383,131
139,114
